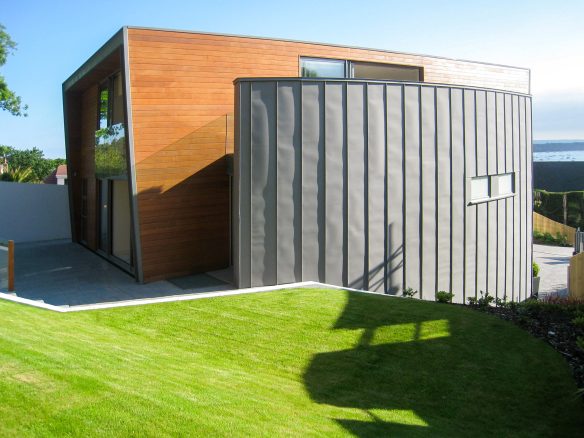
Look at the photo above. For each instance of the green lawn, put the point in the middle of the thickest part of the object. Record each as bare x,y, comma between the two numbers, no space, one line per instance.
295,362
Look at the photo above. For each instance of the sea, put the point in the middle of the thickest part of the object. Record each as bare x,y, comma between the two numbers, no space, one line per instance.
558,150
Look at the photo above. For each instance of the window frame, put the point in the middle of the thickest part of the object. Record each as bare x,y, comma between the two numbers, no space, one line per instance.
349,67
493,188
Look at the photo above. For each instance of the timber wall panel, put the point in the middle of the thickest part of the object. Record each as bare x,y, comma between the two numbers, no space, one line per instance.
182,105
442,241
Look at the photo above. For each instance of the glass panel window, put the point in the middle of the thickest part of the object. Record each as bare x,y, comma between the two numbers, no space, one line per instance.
103,106
479,188
385,72
322,68
110,137
505,184
117,100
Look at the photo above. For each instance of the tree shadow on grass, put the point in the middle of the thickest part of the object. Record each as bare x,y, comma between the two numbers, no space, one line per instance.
393,377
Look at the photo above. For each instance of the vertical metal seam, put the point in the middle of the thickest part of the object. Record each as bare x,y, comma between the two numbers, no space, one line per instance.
488,204
436,218
450,185
528,268
464,206
421,193
513,202
324,161
386,250
367,228
476,233
530,216
497,202
251,282
520,199
276,92
344,152
506,201
301,171
404,180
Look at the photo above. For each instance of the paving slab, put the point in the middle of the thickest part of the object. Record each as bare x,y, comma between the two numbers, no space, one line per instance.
553,264
64,273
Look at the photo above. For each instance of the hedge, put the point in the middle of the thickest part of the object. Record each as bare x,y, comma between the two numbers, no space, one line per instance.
551,205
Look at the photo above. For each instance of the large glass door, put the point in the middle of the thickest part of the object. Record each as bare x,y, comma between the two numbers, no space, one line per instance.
114,222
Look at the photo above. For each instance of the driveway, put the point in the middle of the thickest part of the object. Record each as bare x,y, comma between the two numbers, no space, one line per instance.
553,262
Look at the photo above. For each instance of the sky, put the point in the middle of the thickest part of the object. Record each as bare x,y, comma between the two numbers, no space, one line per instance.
55,37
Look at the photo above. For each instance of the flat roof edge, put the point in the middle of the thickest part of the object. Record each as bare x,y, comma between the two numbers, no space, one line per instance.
158,29
116,41
378,81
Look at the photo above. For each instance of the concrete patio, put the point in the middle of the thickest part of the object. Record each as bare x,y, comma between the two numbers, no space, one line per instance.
62,273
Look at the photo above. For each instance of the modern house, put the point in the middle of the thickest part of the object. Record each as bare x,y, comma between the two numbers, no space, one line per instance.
362,168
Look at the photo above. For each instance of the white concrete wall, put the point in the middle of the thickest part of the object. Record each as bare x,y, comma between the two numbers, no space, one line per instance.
33,212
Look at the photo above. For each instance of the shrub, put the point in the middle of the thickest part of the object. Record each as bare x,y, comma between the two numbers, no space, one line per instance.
580,342
535,269
483,302
560,239
409,292
579,321
444,297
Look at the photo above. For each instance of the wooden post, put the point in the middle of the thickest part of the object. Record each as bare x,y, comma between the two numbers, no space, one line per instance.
11,265
565,205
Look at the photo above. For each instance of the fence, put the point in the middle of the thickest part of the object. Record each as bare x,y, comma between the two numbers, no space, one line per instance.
576,276
546,225
7,265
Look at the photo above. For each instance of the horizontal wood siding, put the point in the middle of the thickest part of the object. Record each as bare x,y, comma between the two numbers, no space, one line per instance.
182,105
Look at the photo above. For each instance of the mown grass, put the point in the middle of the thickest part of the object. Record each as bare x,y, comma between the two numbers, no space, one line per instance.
297,362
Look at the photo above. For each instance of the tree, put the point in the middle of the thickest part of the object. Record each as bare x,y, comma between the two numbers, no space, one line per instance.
33,159
9,101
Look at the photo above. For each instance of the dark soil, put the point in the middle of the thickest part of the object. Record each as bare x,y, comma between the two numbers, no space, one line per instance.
554,327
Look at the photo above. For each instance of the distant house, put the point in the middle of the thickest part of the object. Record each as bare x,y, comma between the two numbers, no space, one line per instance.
57,176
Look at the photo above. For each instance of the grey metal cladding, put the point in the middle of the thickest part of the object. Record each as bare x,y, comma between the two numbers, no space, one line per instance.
470,238
356,184
376,173
288,208
312,168
411,178
444,191
367,185
428,223
457,183
394,201
335,182
263,184
242,187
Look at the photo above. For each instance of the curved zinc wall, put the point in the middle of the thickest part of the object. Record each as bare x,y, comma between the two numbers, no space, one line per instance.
367,185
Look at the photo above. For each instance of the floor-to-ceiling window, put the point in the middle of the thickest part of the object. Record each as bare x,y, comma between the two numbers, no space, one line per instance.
111,171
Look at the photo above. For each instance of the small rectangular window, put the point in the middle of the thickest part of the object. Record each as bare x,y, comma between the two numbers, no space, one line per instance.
385,72
322,68
479,188
504,184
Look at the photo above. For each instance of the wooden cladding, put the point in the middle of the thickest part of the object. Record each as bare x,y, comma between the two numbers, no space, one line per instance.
182,100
